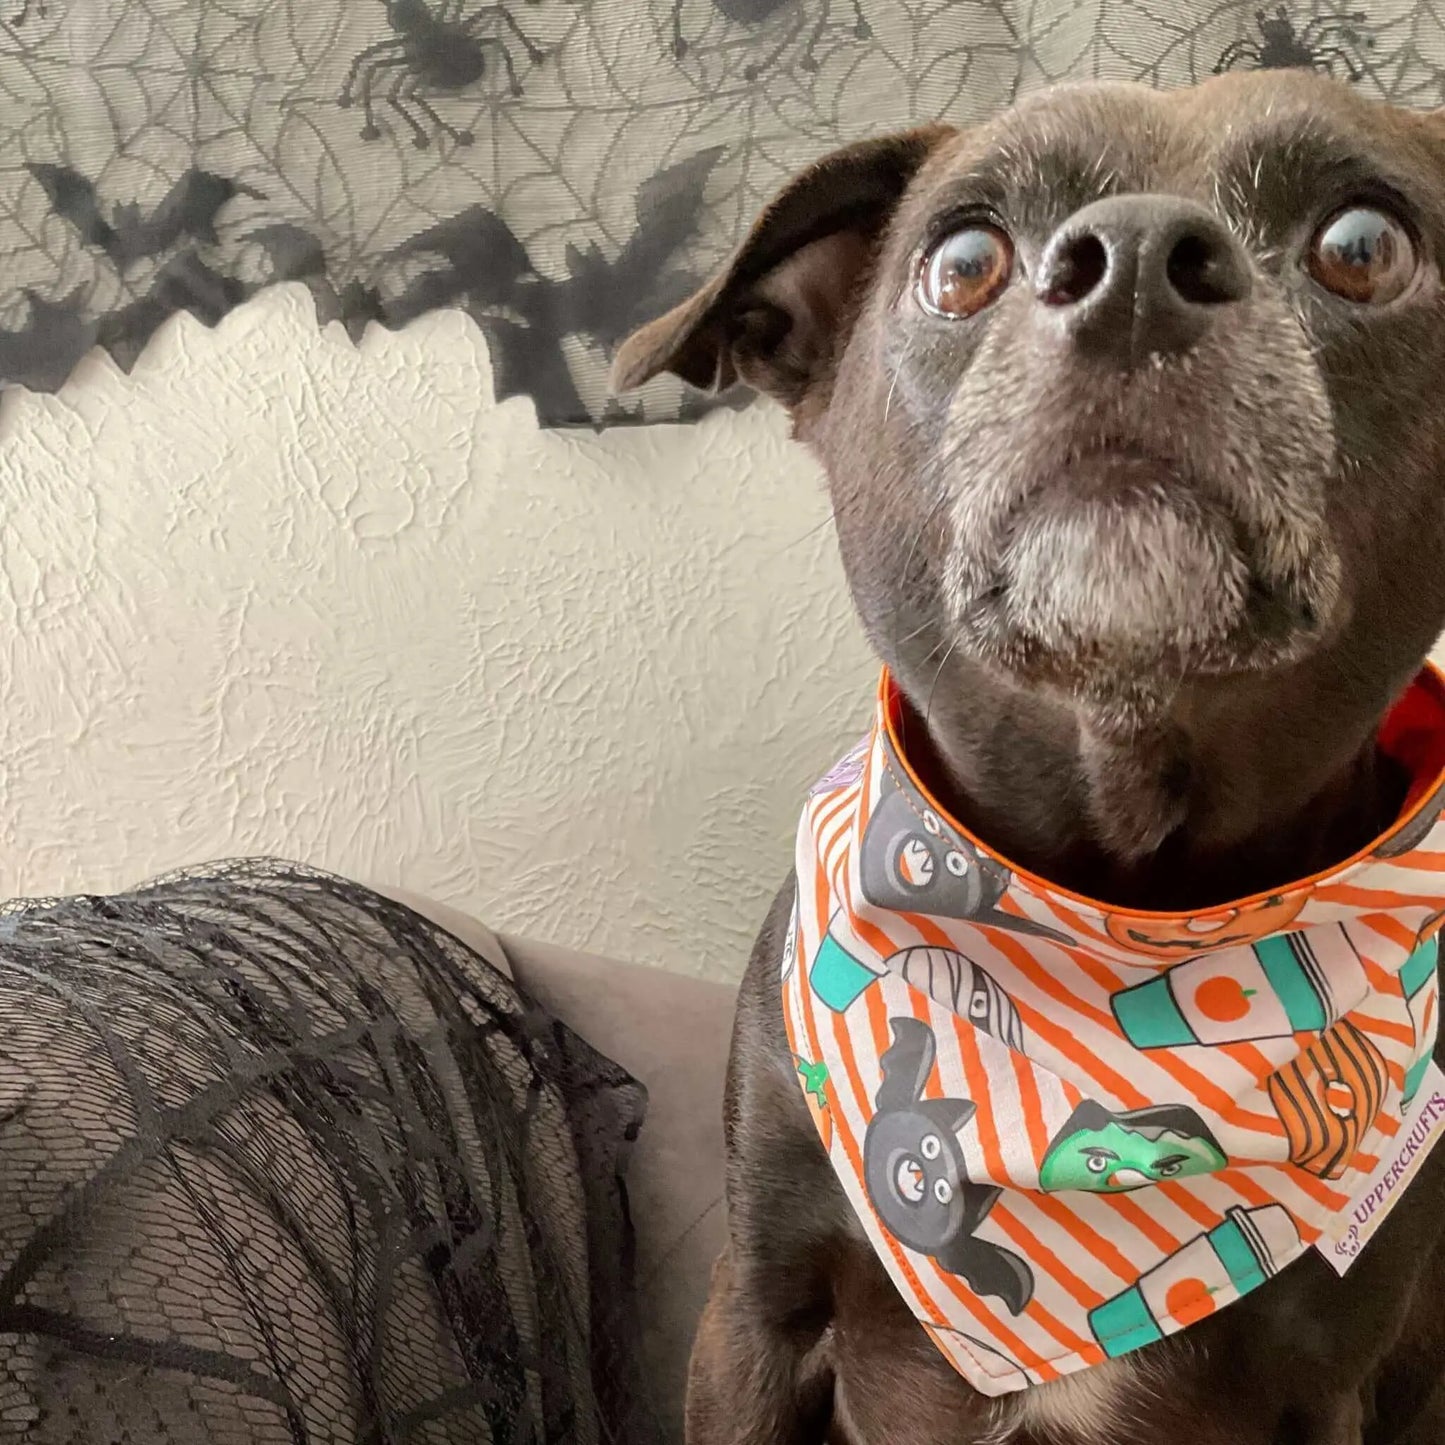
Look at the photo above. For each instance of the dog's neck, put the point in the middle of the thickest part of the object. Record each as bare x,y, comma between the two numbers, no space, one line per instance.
1175,814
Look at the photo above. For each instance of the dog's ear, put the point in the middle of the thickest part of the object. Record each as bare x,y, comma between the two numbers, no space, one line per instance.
774,314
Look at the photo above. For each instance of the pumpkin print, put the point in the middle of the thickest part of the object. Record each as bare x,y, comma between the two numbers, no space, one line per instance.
1227,928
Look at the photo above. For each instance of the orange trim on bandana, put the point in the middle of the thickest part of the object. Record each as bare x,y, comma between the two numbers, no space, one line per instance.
1423,705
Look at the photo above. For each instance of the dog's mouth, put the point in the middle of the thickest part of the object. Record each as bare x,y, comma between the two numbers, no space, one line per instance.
1115,467
1119,558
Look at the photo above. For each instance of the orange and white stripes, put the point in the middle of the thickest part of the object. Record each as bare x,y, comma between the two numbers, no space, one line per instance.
1158,1123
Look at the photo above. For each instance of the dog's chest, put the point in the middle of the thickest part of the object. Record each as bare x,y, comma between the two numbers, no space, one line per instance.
925,1402
892,1384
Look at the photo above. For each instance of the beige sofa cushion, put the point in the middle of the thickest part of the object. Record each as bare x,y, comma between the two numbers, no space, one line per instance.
672,1033
476,935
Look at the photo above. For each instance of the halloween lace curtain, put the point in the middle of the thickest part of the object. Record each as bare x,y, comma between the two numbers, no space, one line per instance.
562,170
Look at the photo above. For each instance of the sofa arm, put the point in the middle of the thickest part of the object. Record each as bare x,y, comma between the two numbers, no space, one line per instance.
672,1032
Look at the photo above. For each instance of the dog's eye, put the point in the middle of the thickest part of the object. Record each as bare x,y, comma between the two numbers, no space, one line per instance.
1363,255
965,271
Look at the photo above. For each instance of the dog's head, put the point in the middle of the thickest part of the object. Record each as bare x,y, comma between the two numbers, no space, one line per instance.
1126,397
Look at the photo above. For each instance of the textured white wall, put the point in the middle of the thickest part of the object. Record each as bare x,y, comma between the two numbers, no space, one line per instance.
276,594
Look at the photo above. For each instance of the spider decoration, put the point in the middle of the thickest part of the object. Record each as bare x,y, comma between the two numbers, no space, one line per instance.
1320,44
440,51
756,13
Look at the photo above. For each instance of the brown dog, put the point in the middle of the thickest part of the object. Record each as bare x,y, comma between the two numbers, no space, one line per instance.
1139,480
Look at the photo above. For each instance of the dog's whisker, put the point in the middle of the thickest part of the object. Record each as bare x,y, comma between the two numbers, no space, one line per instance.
917,632
897,372
907,572
933,651
804,536
933,687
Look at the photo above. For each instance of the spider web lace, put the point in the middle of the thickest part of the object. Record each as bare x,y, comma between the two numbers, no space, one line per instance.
281,1161
561,170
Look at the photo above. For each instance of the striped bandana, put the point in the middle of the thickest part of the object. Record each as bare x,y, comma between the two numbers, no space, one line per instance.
1069,1130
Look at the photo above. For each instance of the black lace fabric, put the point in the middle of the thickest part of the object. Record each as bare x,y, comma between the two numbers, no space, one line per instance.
561,170
281,1161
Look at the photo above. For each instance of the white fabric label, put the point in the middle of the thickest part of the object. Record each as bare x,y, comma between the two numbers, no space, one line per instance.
1421,1130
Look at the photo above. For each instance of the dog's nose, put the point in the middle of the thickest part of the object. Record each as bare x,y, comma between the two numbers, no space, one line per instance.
1138,276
